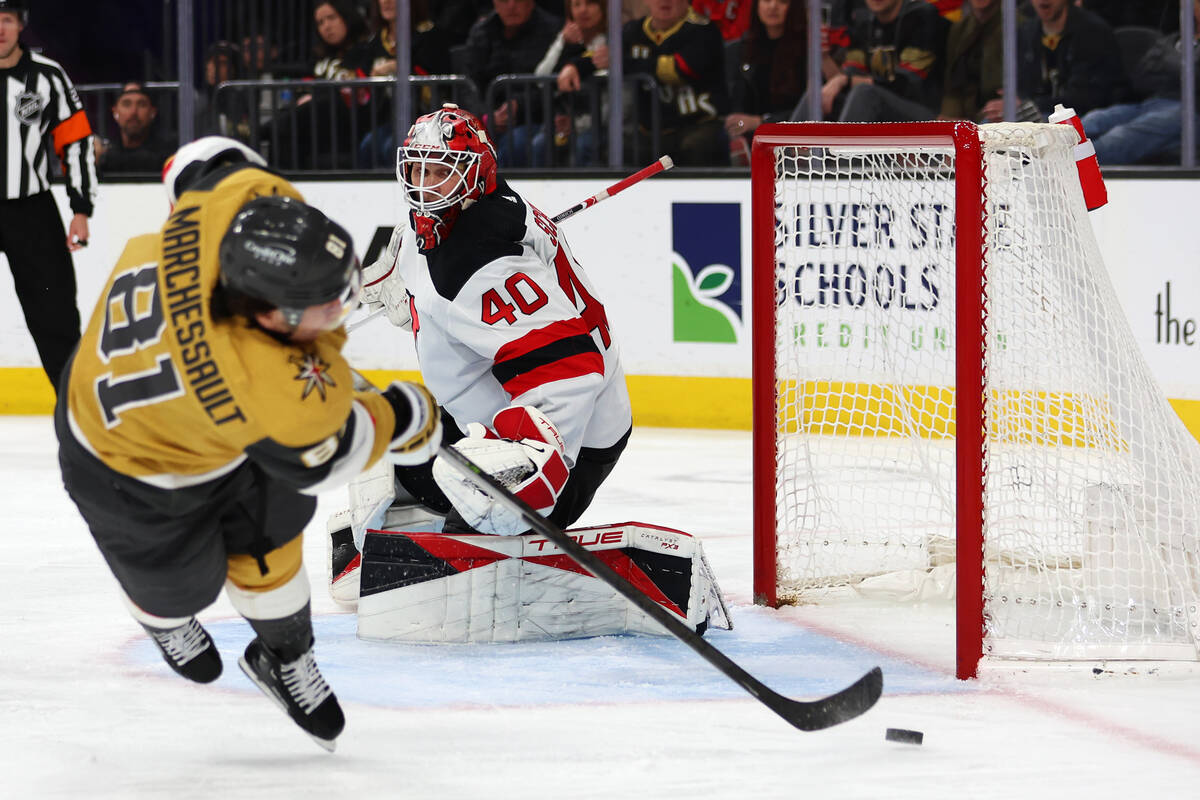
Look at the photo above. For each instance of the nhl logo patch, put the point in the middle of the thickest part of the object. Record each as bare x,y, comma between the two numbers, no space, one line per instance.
314,372
28,107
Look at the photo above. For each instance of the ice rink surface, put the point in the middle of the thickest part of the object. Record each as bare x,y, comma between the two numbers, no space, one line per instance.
89,710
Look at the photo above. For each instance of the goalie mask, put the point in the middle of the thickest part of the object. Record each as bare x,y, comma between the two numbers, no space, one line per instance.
446,163
287,253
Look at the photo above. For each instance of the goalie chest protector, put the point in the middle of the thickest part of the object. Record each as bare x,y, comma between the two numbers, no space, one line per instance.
441,588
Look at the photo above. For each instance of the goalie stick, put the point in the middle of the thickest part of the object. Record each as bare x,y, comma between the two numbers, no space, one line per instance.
806,715
664,163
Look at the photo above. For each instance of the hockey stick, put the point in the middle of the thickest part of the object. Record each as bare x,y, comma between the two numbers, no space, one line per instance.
359,323
661,165
807,715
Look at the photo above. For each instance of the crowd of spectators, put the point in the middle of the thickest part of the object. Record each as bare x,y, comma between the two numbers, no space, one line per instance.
721,68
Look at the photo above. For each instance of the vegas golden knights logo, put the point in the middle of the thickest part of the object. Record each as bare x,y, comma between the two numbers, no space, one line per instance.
314,372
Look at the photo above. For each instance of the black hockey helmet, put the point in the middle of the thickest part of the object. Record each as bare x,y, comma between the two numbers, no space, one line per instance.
289,254
20,7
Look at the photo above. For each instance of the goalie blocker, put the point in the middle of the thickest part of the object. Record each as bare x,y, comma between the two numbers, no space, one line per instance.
442,588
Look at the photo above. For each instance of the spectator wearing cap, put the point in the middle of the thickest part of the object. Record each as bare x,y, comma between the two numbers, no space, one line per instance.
139,147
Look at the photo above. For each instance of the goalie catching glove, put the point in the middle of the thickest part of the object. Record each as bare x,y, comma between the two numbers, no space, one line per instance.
384,288
525,454
418,431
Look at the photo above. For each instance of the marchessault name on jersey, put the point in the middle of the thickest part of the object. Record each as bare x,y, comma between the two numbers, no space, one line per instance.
162,392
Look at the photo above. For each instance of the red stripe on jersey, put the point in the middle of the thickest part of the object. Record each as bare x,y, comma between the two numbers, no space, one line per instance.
561,370
562,329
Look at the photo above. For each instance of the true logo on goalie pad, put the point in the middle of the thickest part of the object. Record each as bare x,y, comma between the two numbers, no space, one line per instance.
429,587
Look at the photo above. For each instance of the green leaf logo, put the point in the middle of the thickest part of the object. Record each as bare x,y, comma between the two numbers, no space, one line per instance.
698,318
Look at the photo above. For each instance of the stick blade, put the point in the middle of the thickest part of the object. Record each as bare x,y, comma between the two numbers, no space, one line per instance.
854,700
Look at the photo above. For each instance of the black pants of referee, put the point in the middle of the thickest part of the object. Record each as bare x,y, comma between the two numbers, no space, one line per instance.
34,240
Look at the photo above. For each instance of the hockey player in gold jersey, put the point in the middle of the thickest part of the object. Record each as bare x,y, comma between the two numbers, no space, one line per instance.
206,406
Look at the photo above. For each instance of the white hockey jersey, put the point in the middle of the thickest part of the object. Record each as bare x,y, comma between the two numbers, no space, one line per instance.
502,315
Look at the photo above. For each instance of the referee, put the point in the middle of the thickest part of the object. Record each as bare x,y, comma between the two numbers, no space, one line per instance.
40,107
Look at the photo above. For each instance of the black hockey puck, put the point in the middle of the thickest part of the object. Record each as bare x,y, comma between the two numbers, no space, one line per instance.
904,736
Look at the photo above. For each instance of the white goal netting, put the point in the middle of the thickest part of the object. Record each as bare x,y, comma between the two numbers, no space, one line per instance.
1092,484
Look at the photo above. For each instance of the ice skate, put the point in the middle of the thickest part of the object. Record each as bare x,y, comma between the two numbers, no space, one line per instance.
299,689
188,650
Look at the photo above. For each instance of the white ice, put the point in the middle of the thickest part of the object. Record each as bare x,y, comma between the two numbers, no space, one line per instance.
88,710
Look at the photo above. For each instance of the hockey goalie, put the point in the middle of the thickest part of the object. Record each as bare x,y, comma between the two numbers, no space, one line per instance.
515,344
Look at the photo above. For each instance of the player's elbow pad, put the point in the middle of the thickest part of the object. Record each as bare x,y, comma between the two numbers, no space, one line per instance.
350,457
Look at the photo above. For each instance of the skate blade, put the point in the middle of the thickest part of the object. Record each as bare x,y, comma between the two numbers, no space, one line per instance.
328,744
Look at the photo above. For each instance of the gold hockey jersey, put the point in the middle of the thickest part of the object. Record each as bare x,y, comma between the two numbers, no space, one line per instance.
160,391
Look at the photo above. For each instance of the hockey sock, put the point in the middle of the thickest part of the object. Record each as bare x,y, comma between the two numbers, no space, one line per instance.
288,637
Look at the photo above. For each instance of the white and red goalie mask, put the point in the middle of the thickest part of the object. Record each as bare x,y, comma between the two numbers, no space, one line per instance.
446,163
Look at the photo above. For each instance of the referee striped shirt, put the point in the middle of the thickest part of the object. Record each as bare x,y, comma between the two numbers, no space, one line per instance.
40,107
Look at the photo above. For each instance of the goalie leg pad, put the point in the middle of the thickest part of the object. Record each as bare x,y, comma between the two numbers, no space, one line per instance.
344,560
344,556
433,588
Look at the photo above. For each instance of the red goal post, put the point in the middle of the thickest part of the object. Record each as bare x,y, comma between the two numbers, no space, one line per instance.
885,321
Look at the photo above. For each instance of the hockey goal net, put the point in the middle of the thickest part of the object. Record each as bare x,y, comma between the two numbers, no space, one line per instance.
948,399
